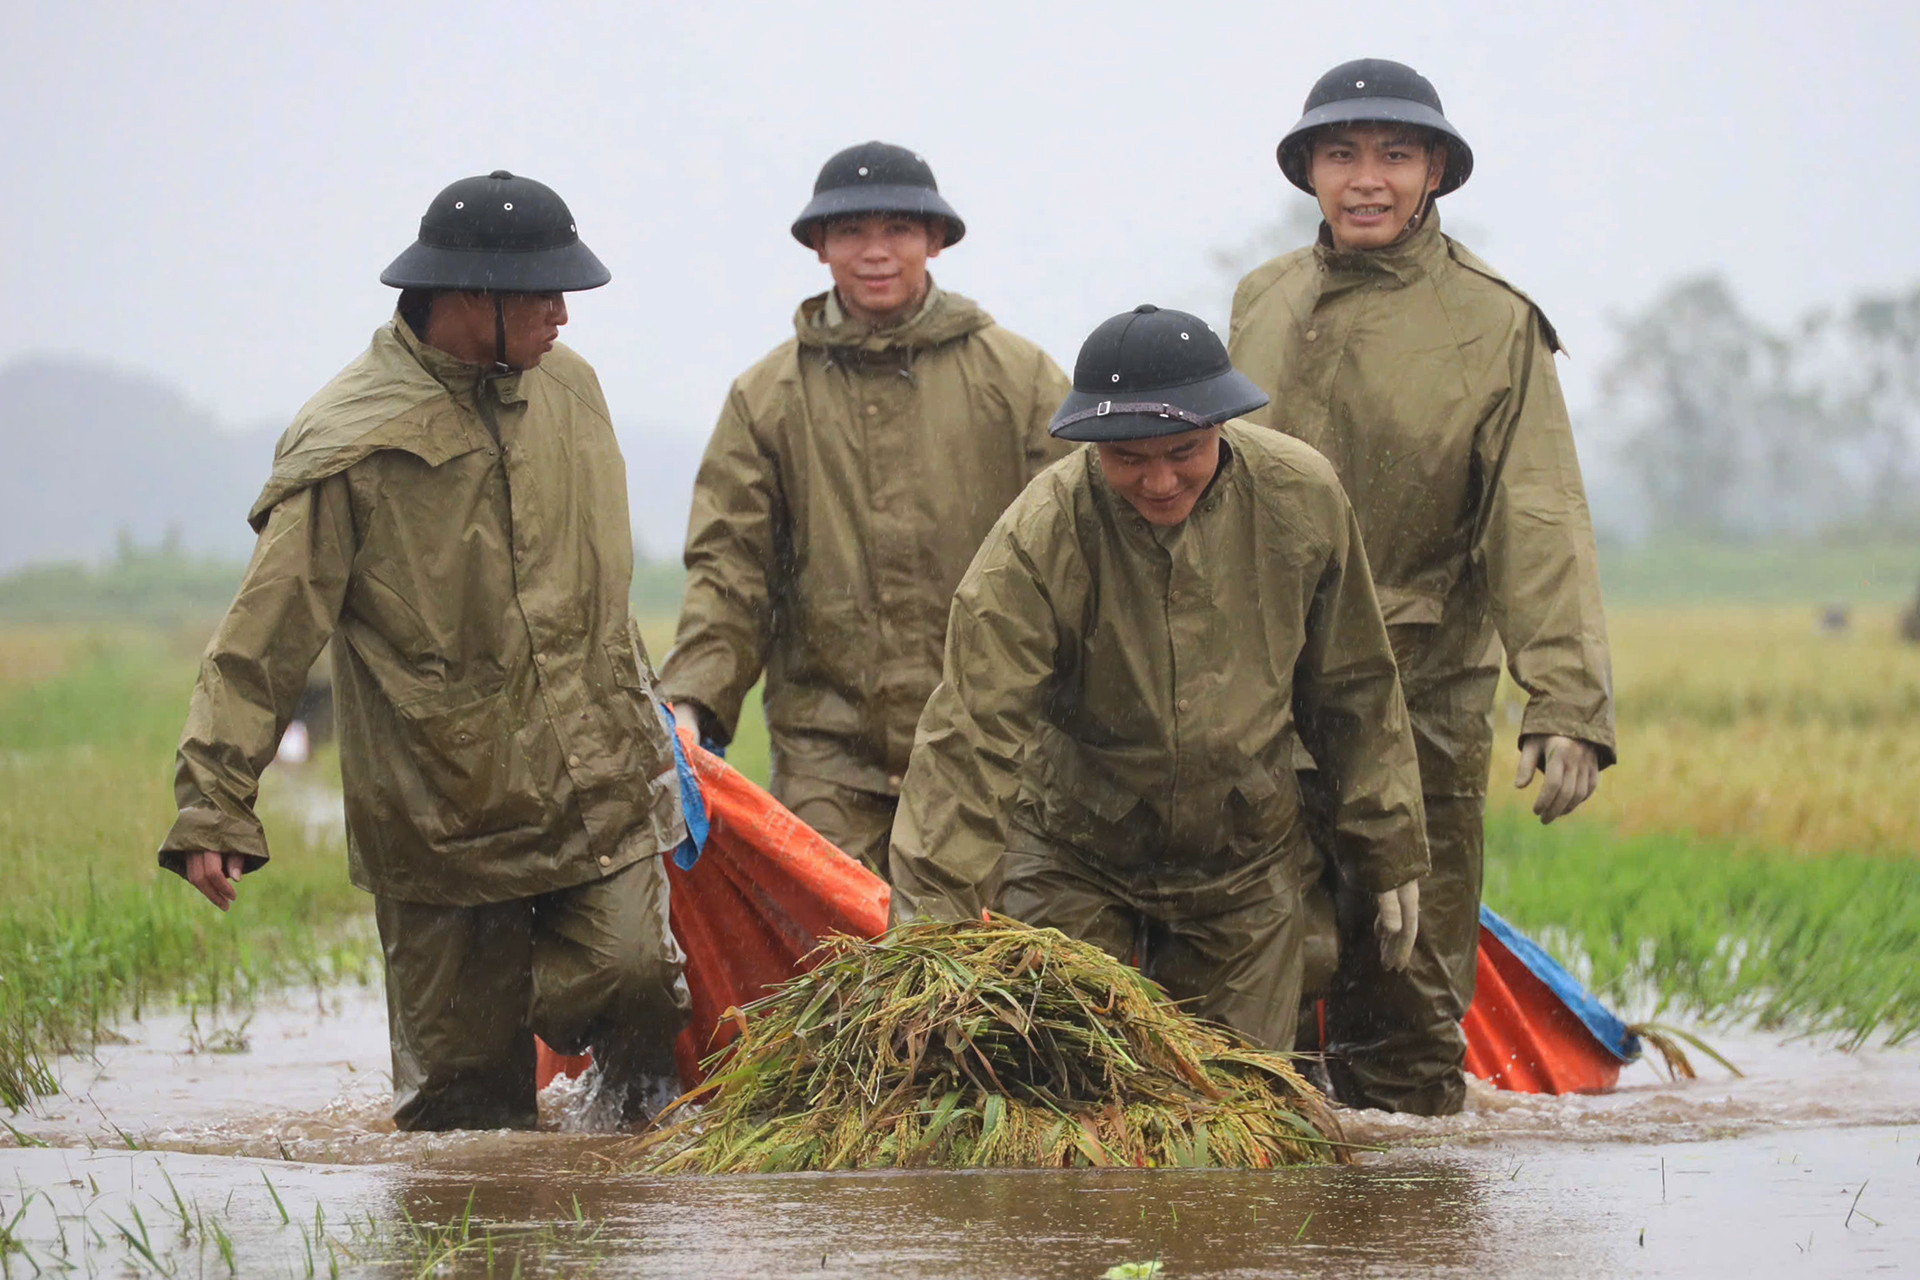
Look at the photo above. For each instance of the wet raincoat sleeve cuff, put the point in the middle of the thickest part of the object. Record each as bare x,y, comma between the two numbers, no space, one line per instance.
1391,865
709,681
205,828
1597,732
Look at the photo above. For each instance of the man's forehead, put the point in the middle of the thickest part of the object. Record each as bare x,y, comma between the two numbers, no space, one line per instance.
1158,446
1384,133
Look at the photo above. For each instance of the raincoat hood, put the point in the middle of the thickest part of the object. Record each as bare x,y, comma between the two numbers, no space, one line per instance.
405,395
942,317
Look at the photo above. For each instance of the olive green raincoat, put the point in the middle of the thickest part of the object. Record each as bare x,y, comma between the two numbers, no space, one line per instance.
468,538
1428,382
851,477
1118,715
508,780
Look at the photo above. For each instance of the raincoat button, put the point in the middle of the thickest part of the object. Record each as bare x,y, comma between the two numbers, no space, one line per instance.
1312,334
574,761
540,658
605,861
894,780
1185,703
872,410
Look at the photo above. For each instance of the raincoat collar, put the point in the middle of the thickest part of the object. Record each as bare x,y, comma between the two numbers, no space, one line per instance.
1405,260
942,318
460,377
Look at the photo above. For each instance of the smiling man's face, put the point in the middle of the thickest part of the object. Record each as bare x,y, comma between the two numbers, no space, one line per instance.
1370,180
878,262
1163,477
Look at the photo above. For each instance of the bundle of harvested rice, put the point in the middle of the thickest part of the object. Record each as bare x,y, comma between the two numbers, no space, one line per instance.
989,1044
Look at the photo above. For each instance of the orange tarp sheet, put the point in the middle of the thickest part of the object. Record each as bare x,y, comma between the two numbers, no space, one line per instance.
767,888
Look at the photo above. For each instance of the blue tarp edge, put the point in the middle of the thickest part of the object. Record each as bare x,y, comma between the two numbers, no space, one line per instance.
693,803
1606,1027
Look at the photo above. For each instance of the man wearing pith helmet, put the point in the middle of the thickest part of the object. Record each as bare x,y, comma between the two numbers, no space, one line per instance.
852,475
1132,653
452,511
1428,382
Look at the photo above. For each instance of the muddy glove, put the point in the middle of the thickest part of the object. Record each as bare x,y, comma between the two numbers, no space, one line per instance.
1569,772
1398,924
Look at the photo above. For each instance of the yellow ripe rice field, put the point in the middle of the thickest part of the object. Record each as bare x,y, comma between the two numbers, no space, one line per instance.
1746,723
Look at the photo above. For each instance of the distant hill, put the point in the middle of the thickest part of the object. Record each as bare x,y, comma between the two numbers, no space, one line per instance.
97,458
93,453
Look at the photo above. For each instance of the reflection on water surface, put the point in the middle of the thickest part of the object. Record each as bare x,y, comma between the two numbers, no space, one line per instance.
1752,1177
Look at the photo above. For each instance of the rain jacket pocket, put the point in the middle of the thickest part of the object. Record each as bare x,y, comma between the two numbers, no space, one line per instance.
1080,804
626,665
1264,811
471,764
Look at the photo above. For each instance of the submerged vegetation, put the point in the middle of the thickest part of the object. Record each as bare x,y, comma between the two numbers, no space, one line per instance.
1755,857
90,928
1665,924
82,1228
987,1045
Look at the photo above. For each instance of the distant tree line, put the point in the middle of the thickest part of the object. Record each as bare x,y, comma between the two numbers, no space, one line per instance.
1730,429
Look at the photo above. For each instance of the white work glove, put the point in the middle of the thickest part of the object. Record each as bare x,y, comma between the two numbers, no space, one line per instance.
685,716
1398,924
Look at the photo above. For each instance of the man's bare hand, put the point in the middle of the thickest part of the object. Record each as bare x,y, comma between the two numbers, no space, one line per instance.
1569,768
214,874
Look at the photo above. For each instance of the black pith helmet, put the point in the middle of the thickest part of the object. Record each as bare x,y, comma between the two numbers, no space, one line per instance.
1150,372
1373,91
497,234
876,177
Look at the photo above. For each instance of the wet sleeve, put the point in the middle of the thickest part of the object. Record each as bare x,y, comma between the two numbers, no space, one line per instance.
1048,388
726,617
1244,348
1536,549
950,832
1352,717
255,669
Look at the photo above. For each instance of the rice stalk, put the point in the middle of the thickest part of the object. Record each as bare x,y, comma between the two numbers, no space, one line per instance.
984,1045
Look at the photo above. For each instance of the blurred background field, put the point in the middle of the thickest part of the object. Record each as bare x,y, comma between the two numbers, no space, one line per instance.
1754,857
89,928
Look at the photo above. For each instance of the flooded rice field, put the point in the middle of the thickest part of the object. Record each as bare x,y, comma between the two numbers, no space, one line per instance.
197,1148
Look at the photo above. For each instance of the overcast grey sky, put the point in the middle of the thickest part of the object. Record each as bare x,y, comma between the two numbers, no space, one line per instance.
209,191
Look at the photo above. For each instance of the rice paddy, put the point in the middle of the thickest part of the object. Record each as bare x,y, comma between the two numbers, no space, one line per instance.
1752,858
90,928
1750,725
987,1045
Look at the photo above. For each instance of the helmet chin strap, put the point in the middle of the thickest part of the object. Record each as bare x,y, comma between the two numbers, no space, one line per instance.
500,364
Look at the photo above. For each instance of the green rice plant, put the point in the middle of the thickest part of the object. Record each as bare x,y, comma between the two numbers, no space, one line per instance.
1725,932
985,1044
90,927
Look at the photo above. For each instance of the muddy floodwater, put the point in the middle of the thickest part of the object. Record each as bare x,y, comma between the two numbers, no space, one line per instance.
280,1160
